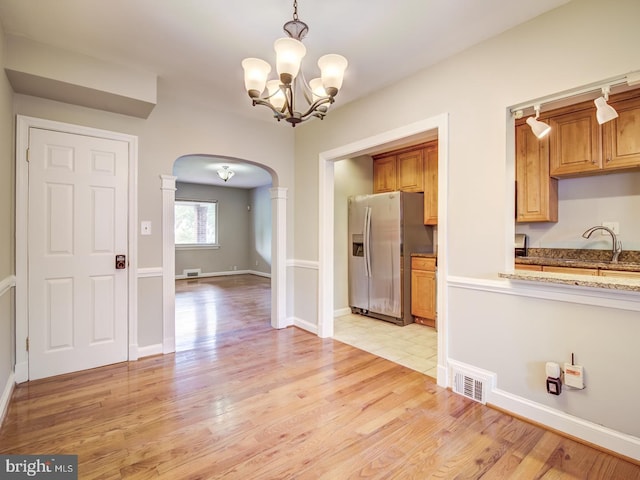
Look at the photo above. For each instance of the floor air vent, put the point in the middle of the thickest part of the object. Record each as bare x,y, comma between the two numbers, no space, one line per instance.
469,386
193,272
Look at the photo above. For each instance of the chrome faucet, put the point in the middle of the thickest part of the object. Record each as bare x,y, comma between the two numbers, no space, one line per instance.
617,244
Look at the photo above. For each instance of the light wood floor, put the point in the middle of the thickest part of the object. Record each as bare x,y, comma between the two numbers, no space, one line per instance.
243,401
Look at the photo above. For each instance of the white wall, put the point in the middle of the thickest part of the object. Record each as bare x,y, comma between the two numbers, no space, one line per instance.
585,202
489,325
177,127
233,230
7,229
260,229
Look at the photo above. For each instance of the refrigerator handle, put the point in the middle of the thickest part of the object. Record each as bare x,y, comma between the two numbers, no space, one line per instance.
367,244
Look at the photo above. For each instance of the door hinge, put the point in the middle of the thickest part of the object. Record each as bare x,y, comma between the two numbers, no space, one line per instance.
27,155
27,344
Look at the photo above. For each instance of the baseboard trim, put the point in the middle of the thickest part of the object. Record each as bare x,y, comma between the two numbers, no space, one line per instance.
304,325
133,352
341,312
7,284
574,427
149,350
21,372
224,274
6,397
547,417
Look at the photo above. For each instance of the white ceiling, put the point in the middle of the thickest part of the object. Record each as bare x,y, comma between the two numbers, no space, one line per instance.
196,46
203,169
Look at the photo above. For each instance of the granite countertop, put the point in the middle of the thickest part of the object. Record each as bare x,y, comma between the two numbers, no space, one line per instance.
579,258
612,283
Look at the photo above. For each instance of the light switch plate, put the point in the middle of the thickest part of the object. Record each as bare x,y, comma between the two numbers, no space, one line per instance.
145,228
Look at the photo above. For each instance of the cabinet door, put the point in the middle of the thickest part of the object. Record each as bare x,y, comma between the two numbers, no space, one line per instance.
622,136
619,274
384,174
430,156
410,171
423,294
576,143
536,192
527,267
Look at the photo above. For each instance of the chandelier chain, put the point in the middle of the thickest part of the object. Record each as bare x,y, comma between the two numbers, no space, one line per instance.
295,10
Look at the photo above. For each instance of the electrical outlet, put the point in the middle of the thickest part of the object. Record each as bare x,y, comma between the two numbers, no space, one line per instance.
145,228
614,226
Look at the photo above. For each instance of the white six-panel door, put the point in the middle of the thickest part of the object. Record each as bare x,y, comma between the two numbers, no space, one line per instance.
78,207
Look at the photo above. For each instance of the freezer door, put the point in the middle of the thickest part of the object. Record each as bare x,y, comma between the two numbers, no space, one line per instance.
358,279
385,283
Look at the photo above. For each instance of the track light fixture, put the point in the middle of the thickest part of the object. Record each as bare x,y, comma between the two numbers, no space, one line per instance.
540,129
604,111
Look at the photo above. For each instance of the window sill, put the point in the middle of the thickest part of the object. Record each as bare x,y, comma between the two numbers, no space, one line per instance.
197,247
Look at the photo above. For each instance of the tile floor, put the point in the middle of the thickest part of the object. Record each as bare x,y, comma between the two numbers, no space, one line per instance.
415,346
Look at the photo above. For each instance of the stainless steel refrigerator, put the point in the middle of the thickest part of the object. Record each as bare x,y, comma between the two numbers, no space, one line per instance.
384,230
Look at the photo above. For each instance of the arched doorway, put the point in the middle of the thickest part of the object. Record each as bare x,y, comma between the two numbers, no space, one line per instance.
277,196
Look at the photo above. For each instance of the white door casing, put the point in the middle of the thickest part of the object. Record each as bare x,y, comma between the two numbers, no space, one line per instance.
76,308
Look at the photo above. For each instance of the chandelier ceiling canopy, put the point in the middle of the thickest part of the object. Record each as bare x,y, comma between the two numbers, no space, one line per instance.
318,93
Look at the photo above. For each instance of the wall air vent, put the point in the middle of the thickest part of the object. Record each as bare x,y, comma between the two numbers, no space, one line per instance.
193,272
470,386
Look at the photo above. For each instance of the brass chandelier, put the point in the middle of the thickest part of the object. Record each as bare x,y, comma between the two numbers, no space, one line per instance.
319,93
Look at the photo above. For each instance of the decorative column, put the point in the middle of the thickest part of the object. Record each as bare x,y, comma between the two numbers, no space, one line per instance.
278,257
168,186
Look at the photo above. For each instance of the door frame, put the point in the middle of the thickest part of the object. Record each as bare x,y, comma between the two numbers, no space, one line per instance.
326,160
23,124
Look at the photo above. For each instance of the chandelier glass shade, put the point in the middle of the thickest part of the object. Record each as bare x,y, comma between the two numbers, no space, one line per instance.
225,173
281,98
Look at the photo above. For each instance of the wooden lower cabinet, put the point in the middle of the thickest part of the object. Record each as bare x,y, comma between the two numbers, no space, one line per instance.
423,290
594,272
619,274
530,268
571,270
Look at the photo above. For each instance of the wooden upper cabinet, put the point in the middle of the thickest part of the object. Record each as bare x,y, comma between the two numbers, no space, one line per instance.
622,135
430,159
410,171
576,143
580,146
536,191
384,174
